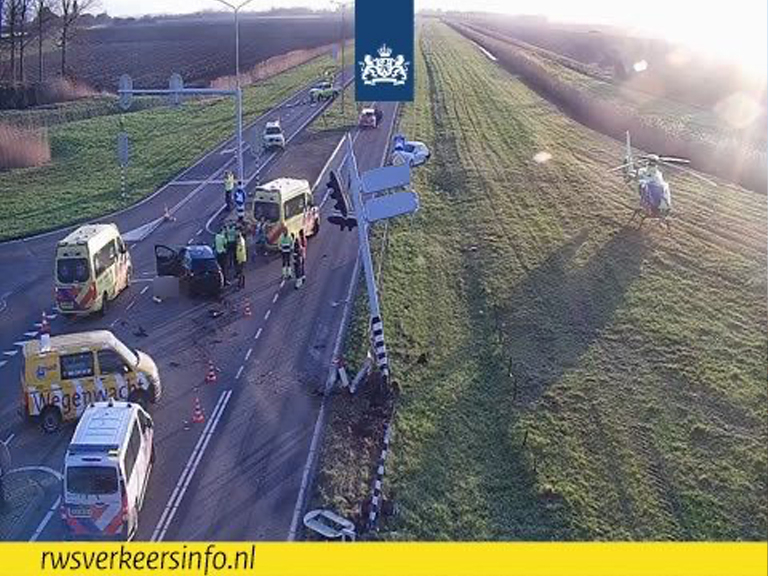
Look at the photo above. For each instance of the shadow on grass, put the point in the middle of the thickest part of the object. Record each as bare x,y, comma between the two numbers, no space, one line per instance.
477,457
553,317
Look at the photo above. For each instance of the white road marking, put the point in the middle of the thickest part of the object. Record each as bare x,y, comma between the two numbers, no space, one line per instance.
3,363
274,298
115,321
282,283
266,316
20,343
313,446
45,520
258,333
10,438
199,232
332,371
190,241
239,372
130,305
11,352
30,334
51,316
190,469
248,354
143,290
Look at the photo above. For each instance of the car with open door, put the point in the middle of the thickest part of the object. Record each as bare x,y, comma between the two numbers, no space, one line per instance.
195,266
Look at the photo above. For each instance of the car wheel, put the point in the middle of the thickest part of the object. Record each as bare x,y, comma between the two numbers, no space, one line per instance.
50,419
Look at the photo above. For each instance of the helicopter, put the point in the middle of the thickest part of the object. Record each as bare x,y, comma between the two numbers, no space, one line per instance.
643,174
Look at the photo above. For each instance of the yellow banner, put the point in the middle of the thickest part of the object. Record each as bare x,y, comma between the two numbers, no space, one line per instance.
386,559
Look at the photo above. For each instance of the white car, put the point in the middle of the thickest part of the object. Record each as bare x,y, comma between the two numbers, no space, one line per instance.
273,135
409,152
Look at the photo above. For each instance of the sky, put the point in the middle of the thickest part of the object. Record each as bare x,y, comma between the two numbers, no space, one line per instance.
735,29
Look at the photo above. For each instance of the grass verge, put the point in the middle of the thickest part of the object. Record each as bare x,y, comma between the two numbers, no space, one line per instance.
564,375
83,180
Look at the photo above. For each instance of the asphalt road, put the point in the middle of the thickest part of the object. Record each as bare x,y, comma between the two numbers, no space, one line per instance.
237,475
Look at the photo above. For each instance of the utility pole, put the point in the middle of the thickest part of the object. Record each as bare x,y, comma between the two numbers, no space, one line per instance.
378,194
238,89
377,326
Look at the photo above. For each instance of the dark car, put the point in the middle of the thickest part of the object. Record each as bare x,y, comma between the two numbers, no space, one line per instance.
195,267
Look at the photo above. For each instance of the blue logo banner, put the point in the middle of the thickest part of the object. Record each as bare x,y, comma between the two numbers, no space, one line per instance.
384,50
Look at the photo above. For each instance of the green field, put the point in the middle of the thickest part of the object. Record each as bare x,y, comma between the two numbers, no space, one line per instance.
83,180
563,375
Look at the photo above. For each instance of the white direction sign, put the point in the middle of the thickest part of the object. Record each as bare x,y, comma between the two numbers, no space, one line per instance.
381,179
391,205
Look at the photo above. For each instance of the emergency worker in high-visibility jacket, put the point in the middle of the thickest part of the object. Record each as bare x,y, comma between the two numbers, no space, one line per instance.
286,247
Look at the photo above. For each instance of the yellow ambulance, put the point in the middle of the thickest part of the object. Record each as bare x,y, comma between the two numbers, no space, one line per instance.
284,203
92,267
62,375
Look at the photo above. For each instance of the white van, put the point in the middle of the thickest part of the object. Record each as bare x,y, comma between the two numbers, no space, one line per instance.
106,470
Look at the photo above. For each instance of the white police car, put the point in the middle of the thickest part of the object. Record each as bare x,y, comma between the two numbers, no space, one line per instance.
409,152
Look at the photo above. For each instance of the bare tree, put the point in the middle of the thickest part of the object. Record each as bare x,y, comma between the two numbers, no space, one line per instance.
23,13
43,15
11,17
70,12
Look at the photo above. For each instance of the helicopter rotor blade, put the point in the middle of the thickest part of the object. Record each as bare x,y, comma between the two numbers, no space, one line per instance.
674,160
694,174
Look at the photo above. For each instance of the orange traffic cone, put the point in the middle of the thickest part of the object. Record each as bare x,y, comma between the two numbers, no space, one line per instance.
248,308
211,376
197,415
45,328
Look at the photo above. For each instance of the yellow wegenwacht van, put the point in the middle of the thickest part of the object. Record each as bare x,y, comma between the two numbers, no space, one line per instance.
92,267
62,375
284,203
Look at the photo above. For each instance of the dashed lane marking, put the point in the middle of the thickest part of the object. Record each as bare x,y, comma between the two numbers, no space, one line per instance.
282,283
199,232
143,290
239,372
130,305
248,354
11,352
266,316
274,298
258,333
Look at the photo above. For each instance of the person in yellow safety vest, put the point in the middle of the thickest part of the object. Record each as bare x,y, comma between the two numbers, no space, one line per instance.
231,243
220,247
241,257
286,246
229,186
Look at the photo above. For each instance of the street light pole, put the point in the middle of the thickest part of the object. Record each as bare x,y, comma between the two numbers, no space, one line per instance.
238,89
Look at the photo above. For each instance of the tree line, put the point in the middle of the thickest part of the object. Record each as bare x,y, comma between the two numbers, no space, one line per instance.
27,25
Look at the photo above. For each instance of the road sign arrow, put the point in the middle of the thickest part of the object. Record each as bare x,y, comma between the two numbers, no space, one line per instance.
391,205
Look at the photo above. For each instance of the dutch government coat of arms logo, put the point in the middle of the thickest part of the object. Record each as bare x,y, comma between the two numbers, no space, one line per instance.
384,69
